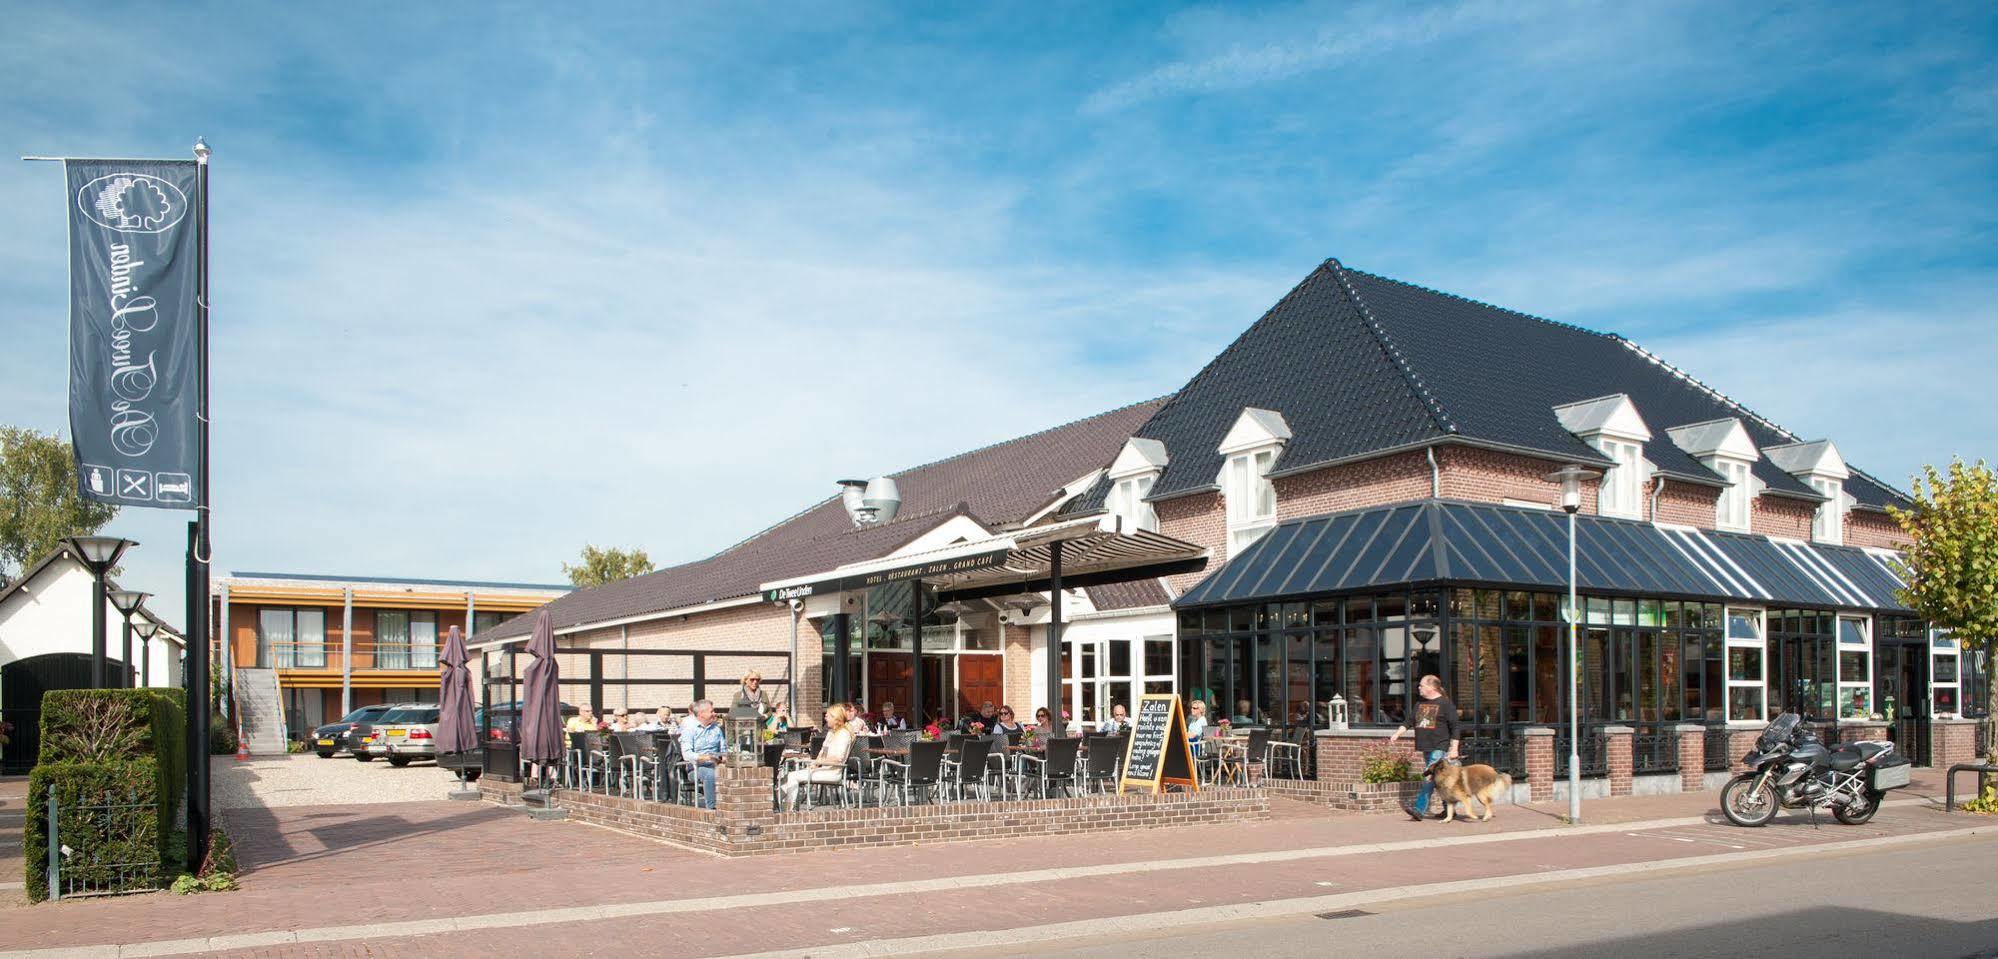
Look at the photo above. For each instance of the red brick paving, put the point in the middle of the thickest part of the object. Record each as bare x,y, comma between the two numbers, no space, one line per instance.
348,865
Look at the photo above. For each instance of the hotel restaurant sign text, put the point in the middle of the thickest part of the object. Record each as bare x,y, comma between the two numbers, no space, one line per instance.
900,574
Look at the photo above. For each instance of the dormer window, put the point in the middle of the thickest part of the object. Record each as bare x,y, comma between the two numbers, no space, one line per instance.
1132,474
1827,524
1250,450
1731,512
1723,446
1611,425
1127,502
1251,498
1818,464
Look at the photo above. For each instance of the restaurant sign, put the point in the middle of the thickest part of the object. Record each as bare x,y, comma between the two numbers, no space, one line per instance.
882,577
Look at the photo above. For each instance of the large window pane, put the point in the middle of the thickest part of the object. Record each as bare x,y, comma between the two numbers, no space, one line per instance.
1547,698
423,640
1299,708
1396,684
391,639
1362,675
1744,703
1518,674
1269,705
1325,674
311,625
276,643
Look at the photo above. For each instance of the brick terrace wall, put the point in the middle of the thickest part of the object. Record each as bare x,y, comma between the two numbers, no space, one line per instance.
1952,741
758,627
743,824
1687,505
1197,519
1777,516
1868,528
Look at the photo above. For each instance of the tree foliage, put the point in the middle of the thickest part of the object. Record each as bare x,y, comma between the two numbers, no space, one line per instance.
39,503
600,566
1952,565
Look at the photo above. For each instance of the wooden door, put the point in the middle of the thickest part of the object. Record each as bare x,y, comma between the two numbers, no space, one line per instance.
979,679
888,680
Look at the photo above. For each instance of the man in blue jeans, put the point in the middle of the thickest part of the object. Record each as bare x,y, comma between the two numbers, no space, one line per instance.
1434,720
703,747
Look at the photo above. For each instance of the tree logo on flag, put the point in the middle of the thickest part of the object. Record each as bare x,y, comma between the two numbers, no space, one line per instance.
132,203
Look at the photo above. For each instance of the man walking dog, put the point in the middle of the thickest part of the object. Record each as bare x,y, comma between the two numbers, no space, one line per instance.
1435,723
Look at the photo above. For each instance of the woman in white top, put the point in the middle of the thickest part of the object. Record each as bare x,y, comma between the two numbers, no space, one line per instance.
829,766
1196,724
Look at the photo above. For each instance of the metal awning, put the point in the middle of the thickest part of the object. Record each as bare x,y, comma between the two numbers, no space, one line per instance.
1015,562
1484,544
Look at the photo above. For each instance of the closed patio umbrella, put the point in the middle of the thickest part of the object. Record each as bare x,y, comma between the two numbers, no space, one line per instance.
541,699
455,733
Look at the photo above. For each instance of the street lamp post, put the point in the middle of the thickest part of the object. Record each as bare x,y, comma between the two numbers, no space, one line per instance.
146,629
127,602
1571,478
99,554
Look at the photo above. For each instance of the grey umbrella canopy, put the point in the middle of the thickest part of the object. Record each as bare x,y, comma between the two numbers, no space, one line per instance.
455,732
541,698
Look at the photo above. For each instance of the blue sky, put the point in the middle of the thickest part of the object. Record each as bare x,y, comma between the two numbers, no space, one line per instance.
494,282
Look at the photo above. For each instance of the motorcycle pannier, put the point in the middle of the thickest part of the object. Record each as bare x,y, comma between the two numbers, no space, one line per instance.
1891,772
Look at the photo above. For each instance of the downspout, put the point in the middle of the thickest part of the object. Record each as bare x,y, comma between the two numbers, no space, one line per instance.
791,676
1435,474
1656,490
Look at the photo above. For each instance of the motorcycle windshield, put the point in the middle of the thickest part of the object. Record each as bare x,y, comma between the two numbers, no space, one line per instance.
1779,730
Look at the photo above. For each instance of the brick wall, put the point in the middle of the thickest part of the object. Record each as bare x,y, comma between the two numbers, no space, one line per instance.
1952,741
1739,742
1489,476
1777,516
1687,504
1019,678
757,627
1617,751
1868,528
1196,519
1692,757
744,825
1399,478
1540,764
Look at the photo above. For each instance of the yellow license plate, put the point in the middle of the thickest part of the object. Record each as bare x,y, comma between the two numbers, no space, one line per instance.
326,742
397,732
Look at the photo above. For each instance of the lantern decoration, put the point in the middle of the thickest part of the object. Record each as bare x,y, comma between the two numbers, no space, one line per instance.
742,727
1335,713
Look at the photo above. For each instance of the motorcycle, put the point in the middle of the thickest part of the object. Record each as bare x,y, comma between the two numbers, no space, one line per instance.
1789,768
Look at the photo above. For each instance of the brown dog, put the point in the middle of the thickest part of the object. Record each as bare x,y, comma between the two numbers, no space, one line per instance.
1462,784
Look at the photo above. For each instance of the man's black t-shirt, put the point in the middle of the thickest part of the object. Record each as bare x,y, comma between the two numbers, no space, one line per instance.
1435,723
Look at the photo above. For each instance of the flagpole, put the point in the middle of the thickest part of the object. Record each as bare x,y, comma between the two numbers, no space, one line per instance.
200,632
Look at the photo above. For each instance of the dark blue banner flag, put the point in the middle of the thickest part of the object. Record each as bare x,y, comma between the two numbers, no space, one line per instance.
133,363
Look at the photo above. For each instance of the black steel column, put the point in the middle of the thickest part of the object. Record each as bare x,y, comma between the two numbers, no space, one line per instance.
127,661
97,639
1055,699
842,652
198,701
916,679
201,550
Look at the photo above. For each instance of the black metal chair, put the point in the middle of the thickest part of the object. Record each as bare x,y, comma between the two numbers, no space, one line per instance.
1284,755
1254,755
575,762
665,767
1055,766
967,765
1099,769
629,760
923,771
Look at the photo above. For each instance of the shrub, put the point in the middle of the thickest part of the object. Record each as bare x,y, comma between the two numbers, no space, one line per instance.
1380,764
1986,802
221,736
109,726
106,839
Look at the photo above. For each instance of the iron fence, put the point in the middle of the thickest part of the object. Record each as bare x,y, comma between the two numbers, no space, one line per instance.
1594,752
1495,745
103,848
1654,749
1719,749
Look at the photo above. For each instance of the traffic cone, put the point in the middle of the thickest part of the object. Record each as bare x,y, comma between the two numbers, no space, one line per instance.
242,747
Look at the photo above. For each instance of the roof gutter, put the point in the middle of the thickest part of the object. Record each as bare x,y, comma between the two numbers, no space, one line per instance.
719,604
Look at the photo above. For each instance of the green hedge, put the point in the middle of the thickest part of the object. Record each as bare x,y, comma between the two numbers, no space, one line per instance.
95,838
159,734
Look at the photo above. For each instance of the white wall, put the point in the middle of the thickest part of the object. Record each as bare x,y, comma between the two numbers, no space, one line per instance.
51,614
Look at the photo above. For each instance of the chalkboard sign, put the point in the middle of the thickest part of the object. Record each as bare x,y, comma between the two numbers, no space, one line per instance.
1158,753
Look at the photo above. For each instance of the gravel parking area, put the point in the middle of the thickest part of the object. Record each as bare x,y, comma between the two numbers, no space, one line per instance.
307,780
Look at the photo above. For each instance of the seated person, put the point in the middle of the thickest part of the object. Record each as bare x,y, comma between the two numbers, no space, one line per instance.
779,720
891,722
1196,725
585,721
829,766
1245,713
1119,721
1006,724
656,722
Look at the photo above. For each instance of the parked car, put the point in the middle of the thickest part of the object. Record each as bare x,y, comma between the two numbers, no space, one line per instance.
358,737
331,739
406,733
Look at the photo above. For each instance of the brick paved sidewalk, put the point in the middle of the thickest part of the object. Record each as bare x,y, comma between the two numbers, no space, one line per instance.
346,865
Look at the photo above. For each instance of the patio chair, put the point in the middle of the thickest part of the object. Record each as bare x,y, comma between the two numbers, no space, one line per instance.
1207,759
899,739
597,760
1254,754
664,756
630,749
1284,756
924,770
575,762
611,754
968,766
1099,769
1054,767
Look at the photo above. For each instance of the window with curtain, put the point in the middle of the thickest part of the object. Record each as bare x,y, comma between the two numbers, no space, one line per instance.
1827,522
1621,492
276,643
1733,507
391,639
423,640
1251,498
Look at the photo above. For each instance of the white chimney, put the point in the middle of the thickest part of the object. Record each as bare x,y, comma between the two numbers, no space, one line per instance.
884,498
851,492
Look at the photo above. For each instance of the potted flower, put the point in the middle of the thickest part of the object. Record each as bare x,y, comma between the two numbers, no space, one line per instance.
978,729
932,733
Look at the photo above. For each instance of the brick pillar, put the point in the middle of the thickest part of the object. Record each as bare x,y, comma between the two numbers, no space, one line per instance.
1739,742
1540,763
1861,730
742,803
1952,741
1692,756
1617,751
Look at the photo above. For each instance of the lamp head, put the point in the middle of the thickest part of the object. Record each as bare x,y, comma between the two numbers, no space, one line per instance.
1571,478
100,552
126,601
145,628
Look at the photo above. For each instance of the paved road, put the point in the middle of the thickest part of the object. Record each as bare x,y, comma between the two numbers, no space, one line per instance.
1909,903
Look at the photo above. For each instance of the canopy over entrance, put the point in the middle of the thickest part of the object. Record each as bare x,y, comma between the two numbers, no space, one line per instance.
1047,559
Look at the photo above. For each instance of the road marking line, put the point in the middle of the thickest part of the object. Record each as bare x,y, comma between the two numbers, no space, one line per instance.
540,917
1159,921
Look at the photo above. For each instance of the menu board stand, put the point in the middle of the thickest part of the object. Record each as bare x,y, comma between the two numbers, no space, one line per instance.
1158,754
